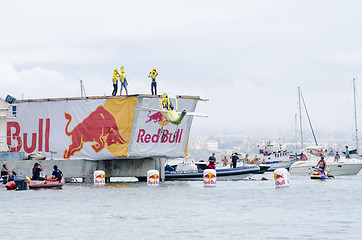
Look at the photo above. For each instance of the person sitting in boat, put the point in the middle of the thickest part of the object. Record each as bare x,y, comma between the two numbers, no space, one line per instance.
57,174
255,160
246,160
321,164
225,161
234,160
6,174
337,157
36,171
212,161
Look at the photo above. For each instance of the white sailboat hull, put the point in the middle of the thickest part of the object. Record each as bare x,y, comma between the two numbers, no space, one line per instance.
340,168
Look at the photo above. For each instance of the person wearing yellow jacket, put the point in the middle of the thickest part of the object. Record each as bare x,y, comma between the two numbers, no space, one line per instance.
115,81
153,75
123,81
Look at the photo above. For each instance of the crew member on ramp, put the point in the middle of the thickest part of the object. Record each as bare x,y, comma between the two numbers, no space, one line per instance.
115,81
123,81
153,75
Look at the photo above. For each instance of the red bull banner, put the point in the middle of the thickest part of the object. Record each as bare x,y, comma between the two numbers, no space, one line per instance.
152,135
96,128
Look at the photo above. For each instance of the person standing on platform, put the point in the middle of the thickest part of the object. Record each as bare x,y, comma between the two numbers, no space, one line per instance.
115,81
153,75
123,81
347,153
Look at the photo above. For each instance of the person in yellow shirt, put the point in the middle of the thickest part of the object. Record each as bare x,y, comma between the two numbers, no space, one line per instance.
153,75
115,81
123,81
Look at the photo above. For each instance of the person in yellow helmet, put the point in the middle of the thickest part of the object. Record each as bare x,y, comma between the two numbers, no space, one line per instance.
115,81
166,102
153,75
123,81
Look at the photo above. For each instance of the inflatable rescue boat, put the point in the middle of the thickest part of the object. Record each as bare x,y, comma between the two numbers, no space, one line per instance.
46,184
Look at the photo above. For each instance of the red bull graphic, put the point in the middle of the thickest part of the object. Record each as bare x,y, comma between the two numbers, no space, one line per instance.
99,127
277,176
100,176
157,118
40,140
144,137
153,179
209,179
281,177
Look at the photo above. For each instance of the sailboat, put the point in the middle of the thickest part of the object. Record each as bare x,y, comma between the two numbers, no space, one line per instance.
335,167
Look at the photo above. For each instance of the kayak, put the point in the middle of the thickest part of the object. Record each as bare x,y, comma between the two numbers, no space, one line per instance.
46,184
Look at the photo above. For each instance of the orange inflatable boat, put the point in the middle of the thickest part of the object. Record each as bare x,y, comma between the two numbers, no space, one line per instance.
46,184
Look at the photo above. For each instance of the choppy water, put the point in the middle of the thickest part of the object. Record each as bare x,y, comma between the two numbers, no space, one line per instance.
307,209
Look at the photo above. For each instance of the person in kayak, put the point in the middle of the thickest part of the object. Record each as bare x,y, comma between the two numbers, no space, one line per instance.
36,171
57,174
321,164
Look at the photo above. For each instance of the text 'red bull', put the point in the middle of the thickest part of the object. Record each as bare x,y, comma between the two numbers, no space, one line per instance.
144,137
98,125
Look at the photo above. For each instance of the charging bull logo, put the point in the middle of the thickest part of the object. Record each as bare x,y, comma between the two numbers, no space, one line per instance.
210,176
99,127
154,177
100,176
157,118
278,176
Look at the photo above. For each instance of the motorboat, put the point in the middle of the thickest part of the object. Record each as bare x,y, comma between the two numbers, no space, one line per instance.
342,166
275,158
37,184
194,171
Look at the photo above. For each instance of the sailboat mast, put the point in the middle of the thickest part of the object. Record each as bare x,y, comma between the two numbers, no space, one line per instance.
300,119
355,112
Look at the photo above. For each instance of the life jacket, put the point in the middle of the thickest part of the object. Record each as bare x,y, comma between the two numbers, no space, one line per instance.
115,77
122,77
153,75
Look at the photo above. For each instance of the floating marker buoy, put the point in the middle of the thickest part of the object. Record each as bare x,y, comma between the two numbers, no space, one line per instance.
153,178
281,177
99,177
11,185
209,177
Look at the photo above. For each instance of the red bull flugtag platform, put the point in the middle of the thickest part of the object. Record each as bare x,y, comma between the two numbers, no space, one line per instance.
99,132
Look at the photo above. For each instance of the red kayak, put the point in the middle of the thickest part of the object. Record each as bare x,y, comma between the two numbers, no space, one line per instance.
46,184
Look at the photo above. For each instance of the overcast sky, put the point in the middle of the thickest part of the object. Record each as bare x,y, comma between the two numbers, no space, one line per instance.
247,57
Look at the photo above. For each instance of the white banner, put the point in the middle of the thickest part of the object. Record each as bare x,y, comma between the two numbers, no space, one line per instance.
146,139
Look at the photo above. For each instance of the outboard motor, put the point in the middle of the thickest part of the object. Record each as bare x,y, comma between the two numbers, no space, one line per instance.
21,182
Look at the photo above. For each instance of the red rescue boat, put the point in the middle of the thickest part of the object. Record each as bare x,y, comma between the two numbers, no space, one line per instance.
46,184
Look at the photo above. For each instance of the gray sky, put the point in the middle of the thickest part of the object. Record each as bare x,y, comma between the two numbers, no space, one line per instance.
247,57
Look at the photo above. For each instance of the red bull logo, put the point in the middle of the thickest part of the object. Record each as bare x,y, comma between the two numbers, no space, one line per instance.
100,176
99,127
154,177
210,176
157,118
278,176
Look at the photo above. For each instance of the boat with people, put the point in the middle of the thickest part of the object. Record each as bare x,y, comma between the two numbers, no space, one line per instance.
275,158
190,170
42,184
335,166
